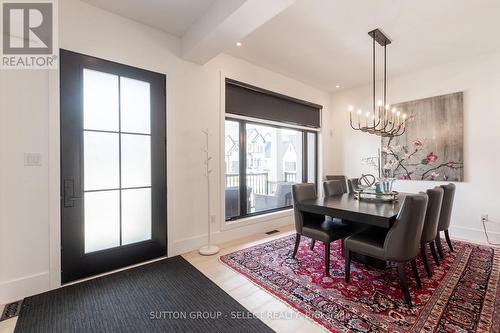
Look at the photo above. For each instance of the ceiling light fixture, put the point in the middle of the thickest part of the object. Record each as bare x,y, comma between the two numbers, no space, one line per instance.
238,44
337,86
382,121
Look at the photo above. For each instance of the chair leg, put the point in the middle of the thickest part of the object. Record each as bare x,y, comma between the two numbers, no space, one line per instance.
313,241
434,254
327,258
415,274
347,261
439,245
423,253
404,282
297,243
448,240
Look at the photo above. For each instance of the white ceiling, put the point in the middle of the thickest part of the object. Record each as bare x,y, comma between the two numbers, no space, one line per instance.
171,16
325,42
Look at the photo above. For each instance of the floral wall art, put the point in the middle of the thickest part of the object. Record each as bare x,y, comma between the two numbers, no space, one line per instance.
432,146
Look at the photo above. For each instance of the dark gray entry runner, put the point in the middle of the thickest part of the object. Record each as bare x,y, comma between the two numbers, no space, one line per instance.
165,296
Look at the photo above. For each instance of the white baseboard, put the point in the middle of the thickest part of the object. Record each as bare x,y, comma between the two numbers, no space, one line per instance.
192,243
14,290
475,235
17,289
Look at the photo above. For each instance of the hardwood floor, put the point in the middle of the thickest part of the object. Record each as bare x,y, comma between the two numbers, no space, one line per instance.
276,314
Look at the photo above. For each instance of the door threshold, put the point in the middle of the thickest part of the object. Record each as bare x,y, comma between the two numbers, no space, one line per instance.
113,271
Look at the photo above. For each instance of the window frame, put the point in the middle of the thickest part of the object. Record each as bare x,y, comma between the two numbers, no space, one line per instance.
243,200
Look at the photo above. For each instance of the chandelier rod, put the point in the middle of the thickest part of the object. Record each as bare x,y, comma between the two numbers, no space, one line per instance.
385,75
374,78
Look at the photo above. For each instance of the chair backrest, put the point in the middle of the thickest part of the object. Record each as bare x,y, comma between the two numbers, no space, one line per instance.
432,214
341,178
333,187
446,207
282,190
353,183
301,192
403,239
232,200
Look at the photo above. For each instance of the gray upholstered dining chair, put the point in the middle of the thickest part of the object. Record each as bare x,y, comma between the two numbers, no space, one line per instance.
341,178
445,217
429,231
352,184
315,226
400,244
334,187
331,188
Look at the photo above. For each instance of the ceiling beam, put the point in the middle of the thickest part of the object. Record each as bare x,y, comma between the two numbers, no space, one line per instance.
225,23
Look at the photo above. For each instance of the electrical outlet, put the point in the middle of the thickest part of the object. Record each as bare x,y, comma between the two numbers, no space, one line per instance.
32,159
212,219
484,218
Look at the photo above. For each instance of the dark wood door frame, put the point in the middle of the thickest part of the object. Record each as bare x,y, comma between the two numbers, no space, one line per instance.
75,264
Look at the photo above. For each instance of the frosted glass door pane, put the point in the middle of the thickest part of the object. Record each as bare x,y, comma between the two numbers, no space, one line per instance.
135,106
102,220
136,215
101,161
136,160
100,101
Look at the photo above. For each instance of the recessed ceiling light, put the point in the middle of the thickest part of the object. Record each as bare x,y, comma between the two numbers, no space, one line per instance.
337,86
238,44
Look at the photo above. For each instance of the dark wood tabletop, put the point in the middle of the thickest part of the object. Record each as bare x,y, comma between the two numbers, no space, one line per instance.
345,206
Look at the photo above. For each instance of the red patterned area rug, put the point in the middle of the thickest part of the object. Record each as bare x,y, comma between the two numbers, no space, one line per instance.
462,296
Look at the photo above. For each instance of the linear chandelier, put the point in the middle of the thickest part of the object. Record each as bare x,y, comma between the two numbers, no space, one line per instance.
382,121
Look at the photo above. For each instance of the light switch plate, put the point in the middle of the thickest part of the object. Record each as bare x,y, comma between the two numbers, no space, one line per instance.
32,159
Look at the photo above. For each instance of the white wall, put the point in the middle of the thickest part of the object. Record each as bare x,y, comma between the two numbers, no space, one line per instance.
29,115
479,79
29,118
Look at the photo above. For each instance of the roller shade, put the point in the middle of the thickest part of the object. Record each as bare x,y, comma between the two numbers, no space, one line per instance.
246,100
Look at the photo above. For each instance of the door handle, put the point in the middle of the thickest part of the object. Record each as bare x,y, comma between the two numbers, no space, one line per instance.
69,193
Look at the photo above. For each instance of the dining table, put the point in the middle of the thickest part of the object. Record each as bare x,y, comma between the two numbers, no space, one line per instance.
351,209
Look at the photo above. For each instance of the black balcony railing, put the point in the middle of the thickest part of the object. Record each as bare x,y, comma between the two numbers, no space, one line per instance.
290,177
258,182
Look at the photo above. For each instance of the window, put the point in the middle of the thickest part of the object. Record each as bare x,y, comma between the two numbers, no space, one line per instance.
312,155
232,167
270,160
